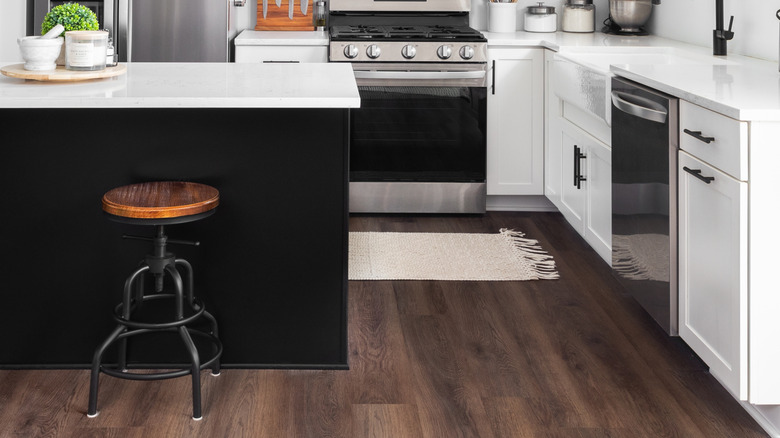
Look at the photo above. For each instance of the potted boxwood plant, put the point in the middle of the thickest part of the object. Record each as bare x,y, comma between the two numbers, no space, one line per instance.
72,16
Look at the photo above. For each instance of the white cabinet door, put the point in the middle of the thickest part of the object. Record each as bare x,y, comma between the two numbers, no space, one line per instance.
597,222
552,137
713,270
515,122
585,167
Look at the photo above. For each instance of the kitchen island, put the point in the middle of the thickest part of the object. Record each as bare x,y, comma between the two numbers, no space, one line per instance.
272,265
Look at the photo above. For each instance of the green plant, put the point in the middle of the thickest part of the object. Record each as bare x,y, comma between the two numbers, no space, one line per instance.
72,16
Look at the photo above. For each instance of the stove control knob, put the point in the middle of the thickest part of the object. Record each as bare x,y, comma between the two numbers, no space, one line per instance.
444,52
466,52
408,51
351,51
373,51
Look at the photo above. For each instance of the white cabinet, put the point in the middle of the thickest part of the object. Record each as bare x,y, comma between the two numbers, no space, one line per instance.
728,244
578,168
515,121
552,135
585,168
281,46
713,270
293,54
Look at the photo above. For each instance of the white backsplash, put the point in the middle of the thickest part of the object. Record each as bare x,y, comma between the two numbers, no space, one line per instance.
12,26
692,21
755,25
479,13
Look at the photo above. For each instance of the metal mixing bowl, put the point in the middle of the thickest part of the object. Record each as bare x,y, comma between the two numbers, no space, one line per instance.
630,14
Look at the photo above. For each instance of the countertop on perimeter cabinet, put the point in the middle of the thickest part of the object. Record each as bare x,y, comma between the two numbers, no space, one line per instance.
740,87
194,85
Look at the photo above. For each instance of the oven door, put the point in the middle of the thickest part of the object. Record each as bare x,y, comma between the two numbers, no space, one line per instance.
417,142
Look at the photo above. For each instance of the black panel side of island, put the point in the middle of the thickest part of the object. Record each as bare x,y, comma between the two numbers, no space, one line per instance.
272,265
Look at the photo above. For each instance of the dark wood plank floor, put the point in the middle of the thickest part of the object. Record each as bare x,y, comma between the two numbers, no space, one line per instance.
573,357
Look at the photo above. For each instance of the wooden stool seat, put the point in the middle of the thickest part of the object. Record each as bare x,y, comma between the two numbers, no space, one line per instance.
160,200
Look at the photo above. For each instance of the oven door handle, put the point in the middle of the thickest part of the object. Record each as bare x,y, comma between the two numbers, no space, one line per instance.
411,75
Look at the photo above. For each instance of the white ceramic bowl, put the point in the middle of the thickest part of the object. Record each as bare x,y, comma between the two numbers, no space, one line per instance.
40,54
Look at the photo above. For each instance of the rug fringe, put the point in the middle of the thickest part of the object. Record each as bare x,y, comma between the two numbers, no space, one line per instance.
529,249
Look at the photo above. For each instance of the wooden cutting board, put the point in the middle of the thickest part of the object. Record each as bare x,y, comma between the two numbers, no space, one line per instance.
61,74
278,18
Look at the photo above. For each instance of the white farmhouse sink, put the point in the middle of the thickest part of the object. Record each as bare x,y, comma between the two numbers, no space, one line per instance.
581,75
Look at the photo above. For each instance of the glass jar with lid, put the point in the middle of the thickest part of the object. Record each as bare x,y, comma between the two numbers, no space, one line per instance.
320,16
578,16
540,18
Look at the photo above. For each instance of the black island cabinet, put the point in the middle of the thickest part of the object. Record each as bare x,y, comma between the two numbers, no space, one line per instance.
272,263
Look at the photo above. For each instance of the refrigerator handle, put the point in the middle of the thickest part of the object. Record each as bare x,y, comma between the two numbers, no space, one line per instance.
129,35
119,26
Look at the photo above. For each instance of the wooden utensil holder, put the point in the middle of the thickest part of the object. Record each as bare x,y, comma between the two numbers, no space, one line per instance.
278,18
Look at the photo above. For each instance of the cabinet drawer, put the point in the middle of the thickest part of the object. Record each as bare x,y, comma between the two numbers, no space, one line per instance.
282,53
720,141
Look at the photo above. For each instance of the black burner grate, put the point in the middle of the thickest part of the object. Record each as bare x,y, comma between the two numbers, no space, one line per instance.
402,32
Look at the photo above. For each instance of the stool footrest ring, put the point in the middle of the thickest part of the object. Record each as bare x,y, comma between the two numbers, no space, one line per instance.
167,374
196,304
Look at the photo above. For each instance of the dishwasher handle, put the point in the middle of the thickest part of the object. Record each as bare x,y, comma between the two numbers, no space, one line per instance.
639,107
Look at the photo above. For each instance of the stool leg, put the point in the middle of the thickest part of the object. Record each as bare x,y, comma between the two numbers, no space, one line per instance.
215,369
196,412
126,310
95,374
97,358
185,335
190,283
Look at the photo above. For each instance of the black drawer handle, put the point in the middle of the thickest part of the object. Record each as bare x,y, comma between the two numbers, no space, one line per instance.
697,135
697,174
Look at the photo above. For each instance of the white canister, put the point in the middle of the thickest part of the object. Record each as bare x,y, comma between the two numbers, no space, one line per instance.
85,49
578,16
502,17
540,18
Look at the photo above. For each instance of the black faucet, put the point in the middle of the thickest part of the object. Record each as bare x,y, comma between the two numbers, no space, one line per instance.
719,35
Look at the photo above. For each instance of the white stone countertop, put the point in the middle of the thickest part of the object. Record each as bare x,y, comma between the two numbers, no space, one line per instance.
282,38
741,92
194,85
737,86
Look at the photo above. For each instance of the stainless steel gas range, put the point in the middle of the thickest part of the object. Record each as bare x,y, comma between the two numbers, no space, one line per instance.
418,141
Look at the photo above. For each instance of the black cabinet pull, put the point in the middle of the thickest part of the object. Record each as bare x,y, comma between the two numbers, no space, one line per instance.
697,135
578,178
493,85
697,174
576,163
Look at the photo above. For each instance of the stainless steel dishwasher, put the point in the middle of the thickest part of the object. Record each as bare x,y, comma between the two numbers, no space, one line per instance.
644,197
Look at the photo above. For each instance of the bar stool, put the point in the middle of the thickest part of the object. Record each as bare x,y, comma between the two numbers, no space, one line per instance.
159,204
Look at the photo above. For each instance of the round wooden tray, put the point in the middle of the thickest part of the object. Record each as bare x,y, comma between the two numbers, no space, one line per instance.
61,74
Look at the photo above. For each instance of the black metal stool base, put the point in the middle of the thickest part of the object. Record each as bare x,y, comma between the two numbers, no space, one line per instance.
159,264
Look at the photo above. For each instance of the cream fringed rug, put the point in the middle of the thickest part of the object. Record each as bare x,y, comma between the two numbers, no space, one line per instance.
504,256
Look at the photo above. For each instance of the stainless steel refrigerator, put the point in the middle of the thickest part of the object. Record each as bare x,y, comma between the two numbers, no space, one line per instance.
161,30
